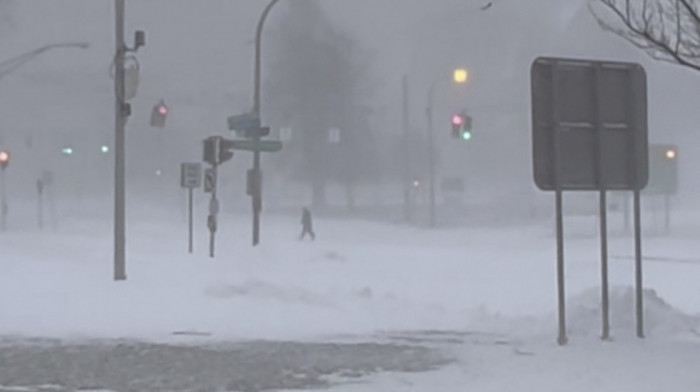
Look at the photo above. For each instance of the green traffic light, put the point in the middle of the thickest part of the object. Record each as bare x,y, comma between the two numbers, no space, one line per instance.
466,136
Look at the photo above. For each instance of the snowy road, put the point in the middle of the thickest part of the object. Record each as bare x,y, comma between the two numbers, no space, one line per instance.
251,366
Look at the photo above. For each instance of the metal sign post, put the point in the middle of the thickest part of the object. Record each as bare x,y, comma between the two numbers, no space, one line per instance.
190,178
603,202
210,175
638,278
559,206
589,129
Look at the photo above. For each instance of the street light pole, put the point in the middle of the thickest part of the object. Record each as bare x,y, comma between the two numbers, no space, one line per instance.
460,76
431,151
257,194
406,149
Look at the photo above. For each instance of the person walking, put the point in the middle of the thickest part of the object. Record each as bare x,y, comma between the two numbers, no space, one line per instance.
306,225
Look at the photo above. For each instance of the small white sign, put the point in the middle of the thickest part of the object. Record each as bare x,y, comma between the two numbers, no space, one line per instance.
191,175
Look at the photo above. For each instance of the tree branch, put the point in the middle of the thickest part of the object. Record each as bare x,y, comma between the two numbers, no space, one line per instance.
668,30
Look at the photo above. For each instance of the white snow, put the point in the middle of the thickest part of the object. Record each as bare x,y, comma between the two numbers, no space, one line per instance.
362,278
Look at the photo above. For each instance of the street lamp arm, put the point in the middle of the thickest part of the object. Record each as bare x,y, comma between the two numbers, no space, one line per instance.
10,65
258,55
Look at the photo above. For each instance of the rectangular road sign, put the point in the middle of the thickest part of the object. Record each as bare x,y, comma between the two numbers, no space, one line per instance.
245,122
209,180
253,132
250,145
190,175
589,125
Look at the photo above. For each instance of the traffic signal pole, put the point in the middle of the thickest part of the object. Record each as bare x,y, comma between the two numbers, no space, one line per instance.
119,148
257,194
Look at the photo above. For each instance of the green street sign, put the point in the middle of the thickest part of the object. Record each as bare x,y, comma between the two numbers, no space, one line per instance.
251,145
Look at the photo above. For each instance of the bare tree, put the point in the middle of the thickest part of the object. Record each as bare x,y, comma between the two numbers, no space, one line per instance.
669,30
319,80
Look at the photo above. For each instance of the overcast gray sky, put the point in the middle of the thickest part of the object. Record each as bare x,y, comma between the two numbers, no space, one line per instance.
199,56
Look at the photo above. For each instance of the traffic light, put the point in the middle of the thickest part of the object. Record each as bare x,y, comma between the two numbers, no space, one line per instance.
457,121
462,126
225,150
211,148
467,128
159,114
217,150
4,159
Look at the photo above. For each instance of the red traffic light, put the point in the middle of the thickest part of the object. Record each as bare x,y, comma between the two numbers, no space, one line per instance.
457,120
4,159
159,114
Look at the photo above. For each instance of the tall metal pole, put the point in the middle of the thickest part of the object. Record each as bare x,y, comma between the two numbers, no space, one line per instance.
213,211
639,281
559,201
431,165
431,152
119,147
406,153
667,213
257,194
602,206
561,281
190,223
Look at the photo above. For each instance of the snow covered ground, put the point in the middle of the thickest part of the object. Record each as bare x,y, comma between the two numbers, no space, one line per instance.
365,281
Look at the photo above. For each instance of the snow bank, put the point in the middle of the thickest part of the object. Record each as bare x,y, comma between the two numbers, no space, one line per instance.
660,318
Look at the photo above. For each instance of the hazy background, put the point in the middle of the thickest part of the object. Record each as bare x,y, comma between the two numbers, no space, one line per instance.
199,56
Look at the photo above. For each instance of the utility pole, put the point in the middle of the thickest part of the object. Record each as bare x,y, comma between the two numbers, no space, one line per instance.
257,194
122,110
